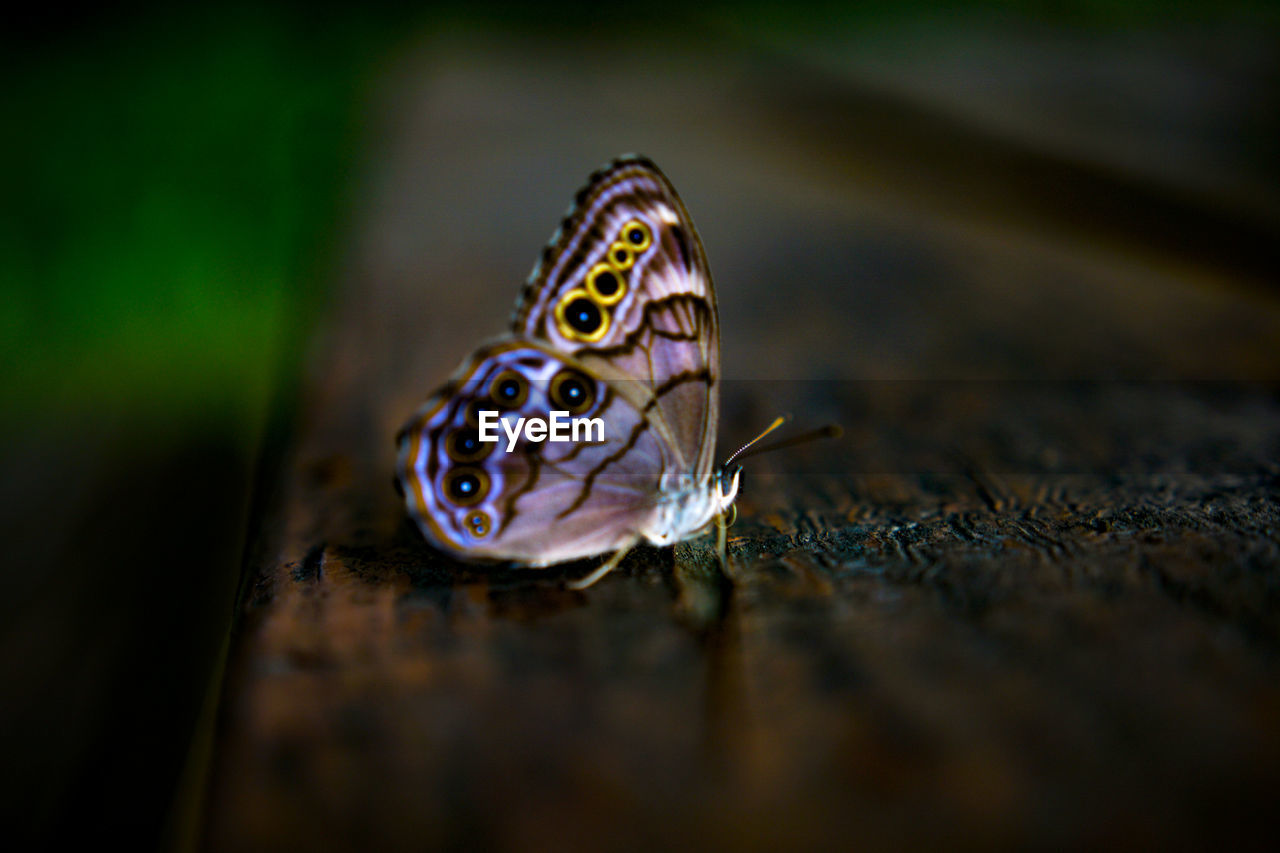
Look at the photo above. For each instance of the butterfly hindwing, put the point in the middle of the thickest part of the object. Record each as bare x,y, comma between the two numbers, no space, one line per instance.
542,502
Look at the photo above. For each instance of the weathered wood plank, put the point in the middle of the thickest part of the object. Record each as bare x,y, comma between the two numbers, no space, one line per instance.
1004,609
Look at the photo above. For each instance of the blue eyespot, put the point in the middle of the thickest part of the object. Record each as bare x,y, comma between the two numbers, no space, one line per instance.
583,316
478,524
464,445
509,389
466,485
572,391
637,234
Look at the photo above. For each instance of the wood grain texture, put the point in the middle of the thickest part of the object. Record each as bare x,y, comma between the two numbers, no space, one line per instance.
1031,597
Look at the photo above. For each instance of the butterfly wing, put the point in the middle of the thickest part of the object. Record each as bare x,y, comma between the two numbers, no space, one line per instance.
624,289
543,502
620,308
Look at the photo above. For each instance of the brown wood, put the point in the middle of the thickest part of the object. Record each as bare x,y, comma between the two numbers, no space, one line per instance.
1031,597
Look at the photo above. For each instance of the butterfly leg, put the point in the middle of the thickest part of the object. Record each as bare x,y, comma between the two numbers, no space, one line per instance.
608,566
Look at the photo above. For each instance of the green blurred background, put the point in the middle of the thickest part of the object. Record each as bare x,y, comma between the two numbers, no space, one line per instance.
172,179
177,189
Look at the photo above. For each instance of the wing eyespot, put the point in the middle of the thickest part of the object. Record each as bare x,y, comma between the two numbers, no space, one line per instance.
509,389
621,256
466,485
606,285
572,391
637,235
579,317
464,445
478,524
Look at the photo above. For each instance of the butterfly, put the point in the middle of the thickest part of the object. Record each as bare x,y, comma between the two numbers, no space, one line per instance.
618,324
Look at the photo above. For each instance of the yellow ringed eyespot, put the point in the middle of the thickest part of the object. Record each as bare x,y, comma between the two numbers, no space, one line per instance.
509,390
605,285
478,524
637,235
621,256
464,445
466,485
572,391
581,318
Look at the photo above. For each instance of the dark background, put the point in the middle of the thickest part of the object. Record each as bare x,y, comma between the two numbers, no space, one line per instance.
1039,193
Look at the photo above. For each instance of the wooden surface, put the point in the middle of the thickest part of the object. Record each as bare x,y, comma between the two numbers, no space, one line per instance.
1031,597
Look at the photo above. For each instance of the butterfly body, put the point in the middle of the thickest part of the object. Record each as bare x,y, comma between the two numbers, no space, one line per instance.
617,325
689,507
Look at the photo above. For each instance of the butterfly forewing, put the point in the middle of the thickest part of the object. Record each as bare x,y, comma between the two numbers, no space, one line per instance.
624,288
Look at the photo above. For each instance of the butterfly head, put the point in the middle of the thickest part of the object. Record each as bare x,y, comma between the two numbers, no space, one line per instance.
725,484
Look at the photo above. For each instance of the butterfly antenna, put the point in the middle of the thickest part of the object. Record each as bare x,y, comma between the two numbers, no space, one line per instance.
828,431
777,422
